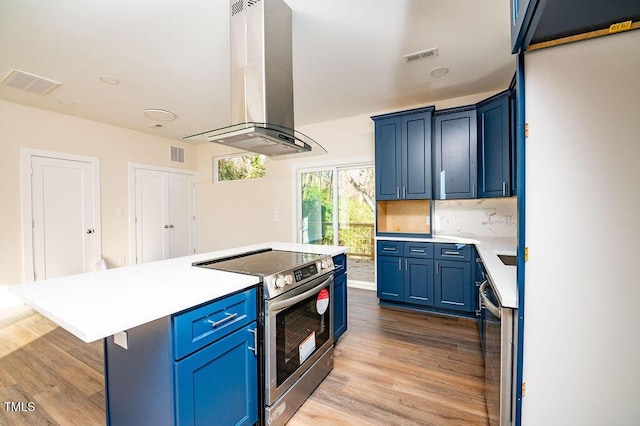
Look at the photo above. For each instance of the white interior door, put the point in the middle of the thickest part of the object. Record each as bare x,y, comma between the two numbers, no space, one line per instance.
181,215
65,232
164,214
152,215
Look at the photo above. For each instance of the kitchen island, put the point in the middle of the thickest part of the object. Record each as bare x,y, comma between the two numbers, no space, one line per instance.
149,317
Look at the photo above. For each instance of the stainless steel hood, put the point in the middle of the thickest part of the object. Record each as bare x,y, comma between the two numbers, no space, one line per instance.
262,83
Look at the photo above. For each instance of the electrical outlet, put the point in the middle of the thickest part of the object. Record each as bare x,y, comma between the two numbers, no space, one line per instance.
122,261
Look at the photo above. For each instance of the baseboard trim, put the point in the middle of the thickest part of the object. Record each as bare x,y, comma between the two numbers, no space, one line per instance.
364,285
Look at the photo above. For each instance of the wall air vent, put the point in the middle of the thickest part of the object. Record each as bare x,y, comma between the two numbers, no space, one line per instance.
30,82
425,54
252,2
177,154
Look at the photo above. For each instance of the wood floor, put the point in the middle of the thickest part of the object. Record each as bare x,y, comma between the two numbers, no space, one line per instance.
392,367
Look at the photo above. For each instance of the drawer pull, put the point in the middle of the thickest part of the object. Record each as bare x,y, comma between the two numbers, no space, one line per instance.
417,251
228,318
388,249
452,253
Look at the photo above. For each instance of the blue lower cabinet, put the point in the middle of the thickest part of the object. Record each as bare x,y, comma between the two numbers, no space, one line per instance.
453,285
418,281
219,384
339,296
390,278
181,370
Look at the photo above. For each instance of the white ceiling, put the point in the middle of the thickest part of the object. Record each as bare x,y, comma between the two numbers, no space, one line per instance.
174,55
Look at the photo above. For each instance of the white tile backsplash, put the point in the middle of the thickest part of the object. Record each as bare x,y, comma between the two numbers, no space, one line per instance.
487,217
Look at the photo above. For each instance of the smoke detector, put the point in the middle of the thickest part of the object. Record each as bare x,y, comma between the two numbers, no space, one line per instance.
424,54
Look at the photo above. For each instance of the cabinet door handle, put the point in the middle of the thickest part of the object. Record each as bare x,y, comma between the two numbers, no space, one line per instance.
228,318
406,265
398,192
473,191
404,192
504,189
399,264
254,349
417,251
437,267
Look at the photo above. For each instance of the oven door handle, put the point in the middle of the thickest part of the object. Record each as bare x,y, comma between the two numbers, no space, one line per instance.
485,300
278,306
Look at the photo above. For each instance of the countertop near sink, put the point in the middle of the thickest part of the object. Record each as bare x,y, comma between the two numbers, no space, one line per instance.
502,276
95,305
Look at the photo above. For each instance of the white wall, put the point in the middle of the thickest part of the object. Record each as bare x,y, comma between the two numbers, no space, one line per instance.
26,127
582,343
240,213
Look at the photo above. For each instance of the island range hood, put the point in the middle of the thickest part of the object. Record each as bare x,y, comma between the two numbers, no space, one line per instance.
262,83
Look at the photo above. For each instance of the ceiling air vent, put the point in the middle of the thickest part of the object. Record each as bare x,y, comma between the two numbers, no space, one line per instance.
425,54
177,154
30,82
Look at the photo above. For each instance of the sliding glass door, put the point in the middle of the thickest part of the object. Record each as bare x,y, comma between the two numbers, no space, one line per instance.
336,207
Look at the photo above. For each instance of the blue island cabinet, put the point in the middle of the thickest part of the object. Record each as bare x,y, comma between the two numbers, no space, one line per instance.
403,155
339,296
405,272
196,367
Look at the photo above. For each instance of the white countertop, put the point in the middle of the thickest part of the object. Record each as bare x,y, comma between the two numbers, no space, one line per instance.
95,305
502,276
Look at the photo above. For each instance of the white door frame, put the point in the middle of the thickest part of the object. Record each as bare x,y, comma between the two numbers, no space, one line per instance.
26,172
132,203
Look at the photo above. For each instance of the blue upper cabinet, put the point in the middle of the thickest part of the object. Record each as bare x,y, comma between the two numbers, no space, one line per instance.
543,23
403,155
494,172
455,153
521,13
388,158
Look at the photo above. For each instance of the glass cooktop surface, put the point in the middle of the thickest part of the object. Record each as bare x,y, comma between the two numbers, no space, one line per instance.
260,263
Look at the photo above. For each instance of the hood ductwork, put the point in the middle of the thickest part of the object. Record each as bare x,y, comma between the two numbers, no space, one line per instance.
262,83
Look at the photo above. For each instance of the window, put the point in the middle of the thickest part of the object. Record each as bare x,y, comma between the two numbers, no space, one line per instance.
238,167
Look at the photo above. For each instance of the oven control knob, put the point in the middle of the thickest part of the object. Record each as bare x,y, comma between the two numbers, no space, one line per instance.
288,279
324,264
279,282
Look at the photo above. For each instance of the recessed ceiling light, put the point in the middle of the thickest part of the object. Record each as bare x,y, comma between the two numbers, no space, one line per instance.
159,114
66,102
109,80
439,72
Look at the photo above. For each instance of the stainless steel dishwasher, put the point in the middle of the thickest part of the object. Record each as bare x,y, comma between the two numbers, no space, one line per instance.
497,348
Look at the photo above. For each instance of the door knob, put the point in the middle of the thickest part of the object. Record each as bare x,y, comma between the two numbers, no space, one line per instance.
89,231
171,226
166,227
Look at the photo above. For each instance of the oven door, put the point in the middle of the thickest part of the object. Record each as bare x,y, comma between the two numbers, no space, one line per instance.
298,331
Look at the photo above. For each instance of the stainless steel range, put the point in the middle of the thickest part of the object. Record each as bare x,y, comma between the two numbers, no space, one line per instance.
298,323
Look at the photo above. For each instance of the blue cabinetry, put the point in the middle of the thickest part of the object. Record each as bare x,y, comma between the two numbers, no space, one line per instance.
218,384
390,278
339,296
435,277
454,287
418,281
535,22
455,153
494,143
403,155
199,366
405,272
